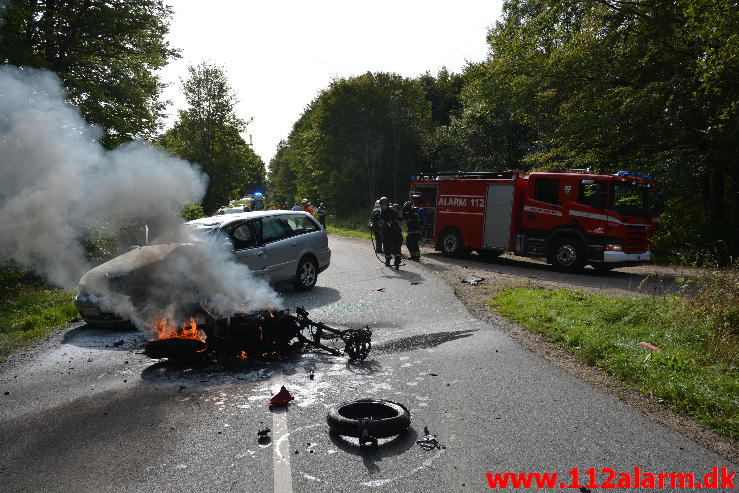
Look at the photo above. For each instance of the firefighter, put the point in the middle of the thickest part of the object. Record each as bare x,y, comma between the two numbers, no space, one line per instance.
392,233
412,220
322,214
374,224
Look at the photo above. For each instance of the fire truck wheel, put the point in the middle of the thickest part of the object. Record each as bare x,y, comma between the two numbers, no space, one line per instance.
451,243
380,418
568,254
307,274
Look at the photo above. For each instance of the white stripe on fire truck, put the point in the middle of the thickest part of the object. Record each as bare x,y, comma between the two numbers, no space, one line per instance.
590,215
459,212
543,211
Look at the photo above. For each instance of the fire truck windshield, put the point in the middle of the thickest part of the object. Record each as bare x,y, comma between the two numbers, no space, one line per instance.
635,199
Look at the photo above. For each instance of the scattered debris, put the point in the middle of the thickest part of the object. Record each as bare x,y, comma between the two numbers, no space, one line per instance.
414,283
281,398
118,343
433,374
429,441
264,436
6,393
311,375
649,346
182,387
472,279
378,289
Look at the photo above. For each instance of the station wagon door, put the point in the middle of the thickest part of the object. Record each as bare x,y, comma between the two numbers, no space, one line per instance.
280,247
248,251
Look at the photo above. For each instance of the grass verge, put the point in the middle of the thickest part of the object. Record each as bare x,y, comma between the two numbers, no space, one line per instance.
30,310
354,226
695,369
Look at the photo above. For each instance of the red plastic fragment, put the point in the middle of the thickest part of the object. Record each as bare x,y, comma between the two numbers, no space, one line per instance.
649,346
282,398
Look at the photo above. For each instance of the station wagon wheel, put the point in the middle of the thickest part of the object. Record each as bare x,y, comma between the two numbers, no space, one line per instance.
307,274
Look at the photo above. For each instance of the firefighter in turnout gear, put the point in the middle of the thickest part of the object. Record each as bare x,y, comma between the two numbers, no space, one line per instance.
392,233
411,216
376,227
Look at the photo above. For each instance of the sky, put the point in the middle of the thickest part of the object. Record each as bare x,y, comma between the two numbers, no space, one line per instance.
278,55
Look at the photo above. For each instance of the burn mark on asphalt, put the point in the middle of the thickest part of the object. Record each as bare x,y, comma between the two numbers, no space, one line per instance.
421,341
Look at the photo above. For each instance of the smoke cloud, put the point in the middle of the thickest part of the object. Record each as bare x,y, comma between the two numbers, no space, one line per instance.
57,183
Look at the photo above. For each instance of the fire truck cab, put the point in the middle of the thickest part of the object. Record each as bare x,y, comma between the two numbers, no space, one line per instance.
570,217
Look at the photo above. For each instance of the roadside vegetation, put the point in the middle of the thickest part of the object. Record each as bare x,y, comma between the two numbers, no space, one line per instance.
354,226
30,310
695,369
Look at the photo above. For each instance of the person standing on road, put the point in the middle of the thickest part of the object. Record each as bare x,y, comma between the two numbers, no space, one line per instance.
322,214
376,227
392,233
306,206
412,220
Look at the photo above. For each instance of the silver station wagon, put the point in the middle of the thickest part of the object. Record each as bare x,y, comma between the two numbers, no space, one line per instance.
282,247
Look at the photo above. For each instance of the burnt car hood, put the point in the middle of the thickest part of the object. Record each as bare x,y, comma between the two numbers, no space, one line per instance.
123,265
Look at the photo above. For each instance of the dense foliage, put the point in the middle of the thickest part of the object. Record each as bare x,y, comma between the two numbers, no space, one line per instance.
645,86
208,133
106,52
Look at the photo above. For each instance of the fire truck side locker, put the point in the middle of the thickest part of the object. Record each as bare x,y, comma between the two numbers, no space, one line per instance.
498,211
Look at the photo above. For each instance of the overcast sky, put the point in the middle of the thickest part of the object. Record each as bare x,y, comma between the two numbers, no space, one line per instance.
279,55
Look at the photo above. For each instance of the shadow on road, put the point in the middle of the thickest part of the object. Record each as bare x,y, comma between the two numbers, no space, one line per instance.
315,298
421,341
646,279
88,337
372,456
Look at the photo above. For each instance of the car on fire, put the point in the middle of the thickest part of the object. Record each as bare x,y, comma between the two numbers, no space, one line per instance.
282,247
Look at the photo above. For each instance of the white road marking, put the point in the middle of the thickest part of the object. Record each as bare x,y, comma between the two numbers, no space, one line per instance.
283,478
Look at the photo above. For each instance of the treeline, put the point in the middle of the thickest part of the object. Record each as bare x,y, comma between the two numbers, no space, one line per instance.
648,86
106,54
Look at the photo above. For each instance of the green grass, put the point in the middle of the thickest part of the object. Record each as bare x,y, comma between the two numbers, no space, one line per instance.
695,371
30,310
354,226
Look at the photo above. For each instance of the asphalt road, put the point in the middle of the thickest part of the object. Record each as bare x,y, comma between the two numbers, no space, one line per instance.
86,412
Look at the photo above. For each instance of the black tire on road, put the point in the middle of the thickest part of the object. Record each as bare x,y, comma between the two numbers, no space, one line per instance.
307,274
568,254
451,243
379,417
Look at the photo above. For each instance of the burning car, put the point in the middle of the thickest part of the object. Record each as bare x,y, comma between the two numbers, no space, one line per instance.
209,269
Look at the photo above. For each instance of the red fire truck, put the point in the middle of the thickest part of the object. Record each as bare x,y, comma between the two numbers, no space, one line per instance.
569,217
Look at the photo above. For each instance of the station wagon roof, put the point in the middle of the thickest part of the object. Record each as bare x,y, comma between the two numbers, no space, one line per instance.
223,220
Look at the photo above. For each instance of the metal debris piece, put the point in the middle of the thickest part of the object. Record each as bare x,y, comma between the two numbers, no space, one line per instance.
472,279
311,375
378,289
281,398
429,441
414,283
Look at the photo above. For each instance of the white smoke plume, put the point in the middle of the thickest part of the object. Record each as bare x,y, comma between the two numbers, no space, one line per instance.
57,182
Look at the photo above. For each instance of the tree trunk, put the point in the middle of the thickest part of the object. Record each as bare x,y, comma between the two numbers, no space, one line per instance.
716,195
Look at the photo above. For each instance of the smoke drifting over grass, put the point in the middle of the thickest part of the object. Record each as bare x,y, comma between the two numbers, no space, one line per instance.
57,183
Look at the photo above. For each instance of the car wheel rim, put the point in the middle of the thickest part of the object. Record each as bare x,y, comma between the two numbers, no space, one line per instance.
566,255
308,274
450,243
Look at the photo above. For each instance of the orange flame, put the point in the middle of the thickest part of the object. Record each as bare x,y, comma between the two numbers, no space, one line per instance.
243,355
166,329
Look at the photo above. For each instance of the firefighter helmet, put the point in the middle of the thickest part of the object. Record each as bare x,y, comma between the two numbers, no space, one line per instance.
384,200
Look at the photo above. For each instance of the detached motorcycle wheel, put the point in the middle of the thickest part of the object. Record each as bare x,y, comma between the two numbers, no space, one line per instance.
378,417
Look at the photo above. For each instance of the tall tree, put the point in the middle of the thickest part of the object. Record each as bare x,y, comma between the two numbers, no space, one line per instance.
208,133
106,53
